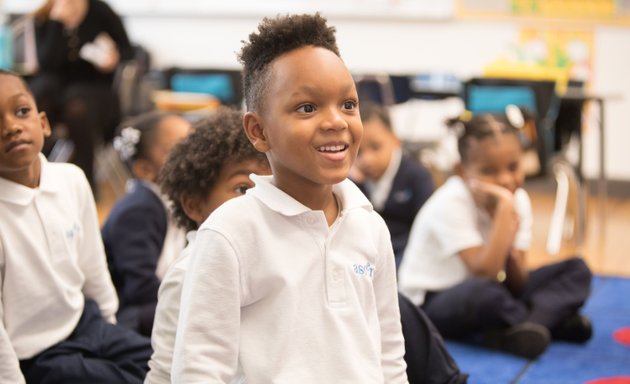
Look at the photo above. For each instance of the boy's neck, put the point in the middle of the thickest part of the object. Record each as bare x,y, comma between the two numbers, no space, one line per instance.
29,177
317,197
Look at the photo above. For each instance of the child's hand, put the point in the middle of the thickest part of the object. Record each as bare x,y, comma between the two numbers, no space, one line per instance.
489,195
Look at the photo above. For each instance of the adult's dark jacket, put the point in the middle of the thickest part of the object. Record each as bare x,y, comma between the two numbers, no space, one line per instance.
58,50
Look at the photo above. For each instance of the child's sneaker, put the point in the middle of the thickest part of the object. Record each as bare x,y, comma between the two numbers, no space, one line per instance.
577,329
527,340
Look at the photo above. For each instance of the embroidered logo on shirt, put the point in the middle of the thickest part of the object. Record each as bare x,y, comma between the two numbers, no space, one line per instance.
367,270
72,232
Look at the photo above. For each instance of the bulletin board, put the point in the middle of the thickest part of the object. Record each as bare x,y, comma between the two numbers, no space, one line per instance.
572,11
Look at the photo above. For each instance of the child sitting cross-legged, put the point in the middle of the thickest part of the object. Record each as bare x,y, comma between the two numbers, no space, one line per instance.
57,301
211,166
465,263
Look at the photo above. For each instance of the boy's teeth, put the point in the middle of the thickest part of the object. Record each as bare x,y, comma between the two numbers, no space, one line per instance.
331,148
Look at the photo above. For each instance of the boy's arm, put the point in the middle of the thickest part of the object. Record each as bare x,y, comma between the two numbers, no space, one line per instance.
208,338
91,253
386,294
9,364
165,325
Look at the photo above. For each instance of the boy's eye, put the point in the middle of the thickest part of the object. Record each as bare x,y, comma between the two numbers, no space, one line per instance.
349,105
22,111
241,189
306,108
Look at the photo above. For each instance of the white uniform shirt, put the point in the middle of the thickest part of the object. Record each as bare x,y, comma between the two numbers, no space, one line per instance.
448,223
380,189
273,292
51,258
166,317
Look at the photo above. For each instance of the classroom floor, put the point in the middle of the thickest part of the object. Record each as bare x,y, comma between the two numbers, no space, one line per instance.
606,245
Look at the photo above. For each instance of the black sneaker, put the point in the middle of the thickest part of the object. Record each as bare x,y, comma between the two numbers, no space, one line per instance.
527,340
577,329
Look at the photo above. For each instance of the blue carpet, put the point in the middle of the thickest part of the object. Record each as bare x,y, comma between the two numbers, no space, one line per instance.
601,357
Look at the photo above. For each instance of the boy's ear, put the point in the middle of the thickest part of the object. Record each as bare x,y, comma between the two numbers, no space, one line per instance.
255,132
191,206
458,169
45,124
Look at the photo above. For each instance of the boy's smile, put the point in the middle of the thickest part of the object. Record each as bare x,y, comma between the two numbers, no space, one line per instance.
22,132
309,122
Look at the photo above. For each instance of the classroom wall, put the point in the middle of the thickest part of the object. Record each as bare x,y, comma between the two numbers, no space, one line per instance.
396,44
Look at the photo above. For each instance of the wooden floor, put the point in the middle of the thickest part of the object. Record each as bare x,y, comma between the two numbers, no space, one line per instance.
606,244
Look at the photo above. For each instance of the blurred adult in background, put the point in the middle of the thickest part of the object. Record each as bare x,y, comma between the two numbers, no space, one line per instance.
80,43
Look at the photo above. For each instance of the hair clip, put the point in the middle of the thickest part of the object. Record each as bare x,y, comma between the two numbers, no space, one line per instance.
125,144
466,116
514,116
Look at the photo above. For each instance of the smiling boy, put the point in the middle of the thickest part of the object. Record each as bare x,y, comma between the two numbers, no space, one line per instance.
295,281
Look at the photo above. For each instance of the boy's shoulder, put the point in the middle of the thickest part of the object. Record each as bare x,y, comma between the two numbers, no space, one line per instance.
62,175
54,177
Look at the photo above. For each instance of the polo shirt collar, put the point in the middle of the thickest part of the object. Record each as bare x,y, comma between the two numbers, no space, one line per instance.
19,194
349,195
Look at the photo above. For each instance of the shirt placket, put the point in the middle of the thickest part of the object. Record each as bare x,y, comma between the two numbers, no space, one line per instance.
52,228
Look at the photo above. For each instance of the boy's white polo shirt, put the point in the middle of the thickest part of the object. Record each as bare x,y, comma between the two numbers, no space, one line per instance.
51,258
276,292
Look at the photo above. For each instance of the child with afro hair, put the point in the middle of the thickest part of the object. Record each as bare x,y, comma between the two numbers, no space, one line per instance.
294,282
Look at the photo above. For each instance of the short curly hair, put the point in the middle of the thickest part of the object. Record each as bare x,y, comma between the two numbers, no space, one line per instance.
194,164
276,37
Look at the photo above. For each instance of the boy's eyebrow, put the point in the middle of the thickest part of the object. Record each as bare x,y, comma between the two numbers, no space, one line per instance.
307,88
18,95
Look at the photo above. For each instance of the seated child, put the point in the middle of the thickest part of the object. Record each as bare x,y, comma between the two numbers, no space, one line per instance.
396,184
465,261
295,281
211,166
57,301
140,239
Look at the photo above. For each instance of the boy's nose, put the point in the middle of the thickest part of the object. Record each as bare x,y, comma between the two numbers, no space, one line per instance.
9,127
334,120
